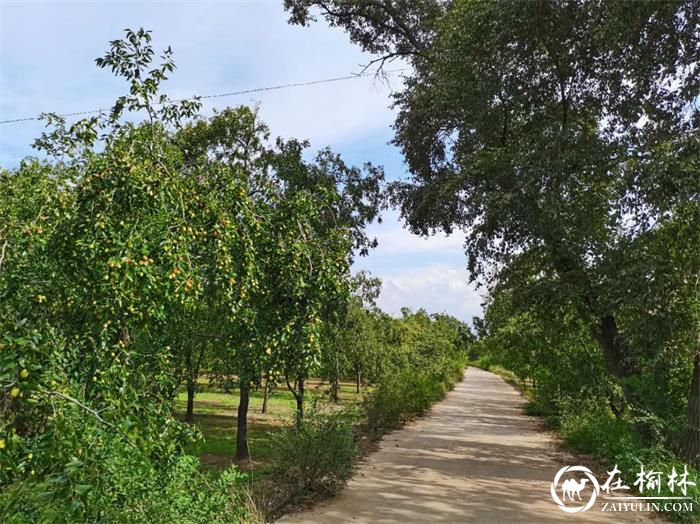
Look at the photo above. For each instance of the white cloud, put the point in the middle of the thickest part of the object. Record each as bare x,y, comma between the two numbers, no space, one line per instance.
397,240
435,289
419,272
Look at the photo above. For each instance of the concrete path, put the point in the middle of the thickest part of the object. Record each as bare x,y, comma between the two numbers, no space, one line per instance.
474,458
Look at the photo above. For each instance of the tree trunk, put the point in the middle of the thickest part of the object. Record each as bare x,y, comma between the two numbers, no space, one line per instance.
606,335
242,451
601,325
266,394
335,389
614,407
690,442
335,382
189,415
300,402
358,380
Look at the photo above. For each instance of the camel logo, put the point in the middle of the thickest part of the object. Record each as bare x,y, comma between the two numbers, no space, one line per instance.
572,487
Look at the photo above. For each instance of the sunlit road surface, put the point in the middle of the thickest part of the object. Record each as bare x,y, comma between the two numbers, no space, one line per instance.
474,458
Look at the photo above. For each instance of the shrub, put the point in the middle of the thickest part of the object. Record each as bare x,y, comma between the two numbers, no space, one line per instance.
316,455
590,428
484,362
132,490
409,393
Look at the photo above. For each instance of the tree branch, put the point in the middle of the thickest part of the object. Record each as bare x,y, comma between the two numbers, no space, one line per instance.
2,253
91,411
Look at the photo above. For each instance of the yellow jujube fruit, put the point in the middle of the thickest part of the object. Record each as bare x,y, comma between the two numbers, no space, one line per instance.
2,443
24,373
14,392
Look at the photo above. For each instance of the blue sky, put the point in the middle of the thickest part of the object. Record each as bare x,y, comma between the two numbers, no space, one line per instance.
47,52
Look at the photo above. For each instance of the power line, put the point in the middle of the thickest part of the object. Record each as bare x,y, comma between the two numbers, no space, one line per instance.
222,95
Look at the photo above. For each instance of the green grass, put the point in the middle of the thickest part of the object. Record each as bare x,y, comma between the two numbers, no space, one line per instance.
598,432
215,415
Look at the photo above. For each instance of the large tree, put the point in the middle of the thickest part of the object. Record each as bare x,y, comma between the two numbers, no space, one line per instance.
308,217
564,130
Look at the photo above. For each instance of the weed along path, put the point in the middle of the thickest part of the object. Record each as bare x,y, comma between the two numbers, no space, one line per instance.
474,458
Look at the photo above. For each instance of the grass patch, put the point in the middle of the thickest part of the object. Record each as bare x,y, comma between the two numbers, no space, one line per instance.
595,430
215,414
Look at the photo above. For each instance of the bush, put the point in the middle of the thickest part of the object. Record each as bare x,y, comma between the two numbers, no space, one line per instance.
589,428
316,455
132,490
484,362
408,393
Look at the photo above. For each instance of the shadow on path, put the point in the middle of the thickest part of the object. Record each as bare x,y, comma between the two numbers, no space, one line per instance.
474,458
